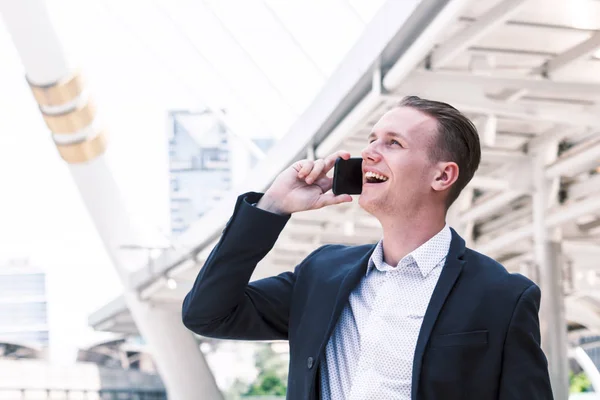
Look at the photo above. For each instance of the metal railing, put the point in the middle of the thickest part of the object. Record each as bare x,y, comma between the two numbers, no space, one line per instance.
71,394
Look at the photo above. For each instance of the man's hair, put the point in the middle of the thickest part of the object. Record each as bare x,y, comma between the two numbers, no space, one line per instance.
457,140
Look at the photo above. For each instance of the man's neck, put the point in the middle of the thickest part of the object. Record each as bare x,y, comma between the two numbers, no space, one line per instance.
402,237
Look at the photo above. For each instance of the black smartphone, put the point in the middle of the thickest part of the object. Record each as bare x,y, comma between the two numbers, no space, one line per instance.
347,176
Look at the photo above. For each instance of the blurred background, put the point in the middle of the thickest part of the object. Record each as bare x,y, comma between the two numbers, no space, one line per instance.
128,128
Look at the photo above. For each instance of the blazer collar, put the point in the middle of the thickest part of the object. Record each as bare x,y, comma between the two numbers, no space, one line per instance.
448,277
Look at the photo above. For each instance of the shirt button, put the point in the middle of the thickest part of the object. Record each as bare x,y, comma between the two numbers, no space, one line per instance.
310,362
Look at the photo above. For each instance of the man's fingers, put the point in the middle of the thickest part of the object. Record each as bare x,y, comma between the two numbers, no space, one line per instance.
317,169
307,166
329,199
312,171
331,159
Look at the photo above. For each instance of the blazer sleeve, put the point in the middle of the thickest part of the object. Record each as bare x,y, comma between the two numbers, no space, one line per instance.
524,365
222,303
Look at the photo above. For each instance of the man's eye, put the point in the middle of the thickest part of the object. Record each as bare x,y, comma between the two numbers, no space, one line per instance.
396,142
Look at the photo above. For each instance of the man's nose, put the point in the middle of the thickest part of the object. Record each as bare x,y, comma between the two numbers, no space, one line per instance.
370,153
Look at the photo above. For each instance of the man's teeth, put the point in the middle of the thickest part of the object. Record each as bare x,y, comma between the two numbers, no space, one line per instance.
376,176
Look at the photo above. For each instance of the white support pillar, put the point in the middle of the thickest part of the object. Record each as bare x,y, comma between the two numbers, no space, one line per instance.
70,117
547,256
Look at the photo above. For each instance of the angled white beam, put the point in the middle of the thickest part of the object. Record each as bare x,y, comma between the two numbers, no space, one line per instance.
490,130
548,68
556,133
490,206
474,32
506,221
580,311
475,102
447,15
581,246
576,163
487,183
584,188
511,95
502,155
582,50
457,80
557,217
590,226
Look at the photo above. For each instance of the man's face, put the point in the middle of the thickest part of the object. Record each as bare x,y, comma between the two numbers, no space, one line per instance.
398,155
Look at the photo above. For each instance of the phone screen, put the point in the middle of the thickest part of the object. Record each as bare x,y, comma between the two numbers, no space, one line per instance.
347,176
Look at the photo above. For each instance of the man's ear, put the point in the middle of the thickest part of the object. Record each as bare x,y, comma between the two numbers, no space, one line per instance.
445,175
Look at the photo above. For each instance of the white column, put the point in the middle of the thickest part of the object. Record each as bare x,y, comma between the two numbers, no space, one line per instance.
70,116
548,257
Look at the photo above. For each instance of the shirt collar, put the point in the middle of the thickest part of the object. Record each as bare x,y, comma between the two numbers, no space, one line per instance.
427,256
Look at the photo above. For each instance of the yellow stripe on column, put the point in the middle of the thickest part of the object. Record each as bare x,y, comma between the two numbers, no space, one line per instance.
72,121
58,93
81,152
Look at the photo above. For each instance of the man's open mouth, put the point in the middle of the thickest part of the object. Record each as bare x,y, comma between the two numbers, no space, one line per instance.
372,177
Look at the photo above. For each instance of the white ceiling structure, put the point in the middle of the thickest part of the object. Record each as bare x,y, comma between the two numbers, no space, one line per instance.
526,71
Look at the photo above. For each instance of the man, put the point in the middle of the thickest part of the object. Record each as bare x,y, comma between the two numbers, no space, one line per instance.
416,316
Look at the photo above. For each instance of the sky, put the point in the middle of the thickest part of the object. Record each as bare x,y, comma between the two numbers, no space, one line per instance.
261,61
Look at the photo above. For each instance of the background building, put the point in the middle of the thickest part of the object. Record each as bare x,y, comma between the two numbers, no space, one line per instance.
23,304
205,162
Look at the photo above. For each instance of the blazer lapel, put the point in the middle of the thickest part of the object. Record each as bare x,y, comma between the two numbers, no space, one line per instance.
348,283
448,277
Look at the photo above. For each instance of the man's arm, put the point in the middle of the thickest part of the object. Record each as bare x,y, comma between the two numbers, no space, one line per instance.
524,365
222,303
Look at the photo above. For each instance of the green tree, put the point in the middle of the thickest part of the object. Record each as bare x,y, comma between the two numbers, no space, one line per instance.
272,374
267,384
579,383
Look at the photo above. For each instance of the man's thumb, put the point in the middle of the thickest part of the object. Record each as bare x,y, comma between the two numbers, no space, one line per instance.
329,199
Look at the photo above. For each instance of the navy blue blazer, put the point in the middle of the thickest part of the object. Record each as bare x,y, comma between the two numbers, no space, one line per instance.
480,337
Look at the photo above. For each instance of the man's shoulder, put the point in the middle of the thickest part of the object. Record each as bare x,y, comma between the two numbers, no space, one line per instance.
336,254
342,251
491,273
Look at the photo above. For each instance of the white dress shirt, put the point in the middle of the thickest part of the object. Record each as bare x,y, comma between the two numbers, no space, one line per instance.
370,352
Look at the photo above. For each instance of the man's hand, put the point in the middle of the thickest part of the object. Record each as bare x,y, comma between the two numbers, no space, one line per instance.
304,186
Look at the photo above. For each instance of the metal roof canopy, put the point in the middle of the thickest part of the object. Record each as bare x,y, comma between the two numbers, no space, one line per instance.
526,74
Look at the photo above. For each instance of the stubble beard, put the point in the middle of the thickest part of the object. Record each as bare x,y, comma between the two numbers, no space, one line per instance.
382,205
